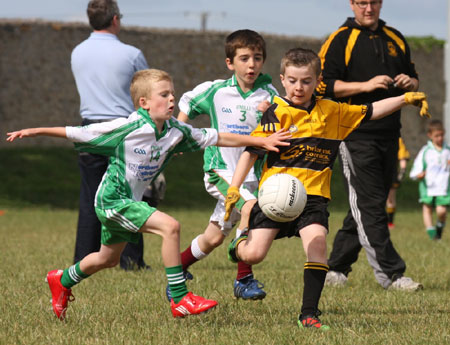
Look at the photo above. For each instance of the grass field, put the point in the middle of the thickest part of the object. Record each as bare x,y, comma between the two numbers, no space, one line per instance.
38,198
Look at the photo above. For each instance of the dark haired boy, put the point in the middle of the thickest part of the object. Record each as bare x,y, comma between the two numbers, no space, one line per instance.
232,106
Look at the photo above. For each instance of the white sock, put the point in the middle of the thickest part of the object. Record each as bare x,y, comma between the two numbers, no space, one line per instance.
239,232
195,249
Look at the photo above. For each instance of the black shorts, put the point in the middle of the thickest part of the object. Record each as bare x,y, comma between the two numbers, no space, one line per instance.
315,212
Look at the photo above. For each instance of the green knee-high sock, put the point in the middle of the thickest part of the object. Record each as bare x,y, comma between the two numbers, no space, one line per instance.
314,279
177,283
432,232
72,275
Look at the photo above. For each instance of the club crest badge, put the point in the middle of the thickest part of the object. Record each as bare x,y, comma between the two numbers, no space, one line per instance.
391,49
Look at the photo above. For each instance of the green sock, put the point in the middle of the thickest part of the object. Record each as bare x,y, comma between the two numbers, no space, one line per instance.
72,275
177,283
432,232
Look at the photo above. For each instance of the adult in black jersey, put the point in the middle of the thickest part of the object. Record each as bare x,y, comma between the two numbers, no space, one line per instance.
365,61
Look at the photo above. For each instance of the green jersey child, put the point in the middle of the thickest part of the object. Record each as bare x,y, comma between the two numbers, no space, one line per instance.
139,147
232,106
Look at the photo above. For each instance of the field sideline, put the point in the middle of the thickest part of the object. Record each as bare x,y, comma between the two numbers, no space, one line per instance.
37,233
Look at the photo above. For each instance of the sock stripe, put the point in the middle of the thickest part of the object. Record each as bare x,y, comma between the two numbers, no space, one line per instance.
179,281
74,275
316,266
176,278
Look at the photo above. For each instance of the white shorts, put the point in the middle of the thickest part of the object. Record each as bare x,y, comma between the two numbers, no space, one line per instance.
217,185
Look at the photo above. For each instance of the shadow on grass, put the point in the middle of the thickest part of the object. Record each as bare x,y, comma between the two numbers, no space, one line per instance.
38,176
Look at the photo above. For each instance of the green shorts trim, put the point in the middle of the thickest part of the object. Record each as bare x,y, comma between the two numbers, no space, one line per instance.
122,223
435,200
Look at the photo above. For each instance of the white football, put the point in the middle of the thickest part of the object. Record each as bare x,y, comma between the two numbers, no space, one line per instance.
282,197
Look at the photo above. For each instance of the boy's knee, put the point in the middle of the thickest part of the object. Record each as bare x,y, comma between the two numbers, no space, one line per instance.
110,262
216,240
172,228
252,256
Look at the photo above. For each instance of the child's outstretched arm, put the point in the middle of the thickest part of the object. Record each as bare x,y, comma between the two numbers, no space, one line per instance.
269,143
182,117
59,132
389,105
246,161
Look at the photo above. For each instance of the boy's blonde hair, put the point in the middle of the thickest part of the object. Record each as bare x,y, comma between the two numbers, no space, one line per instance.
435,125
142,83
299,57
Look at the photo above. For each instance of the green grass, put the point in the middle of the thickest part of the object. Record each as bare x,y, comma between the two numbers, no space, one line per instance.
117,307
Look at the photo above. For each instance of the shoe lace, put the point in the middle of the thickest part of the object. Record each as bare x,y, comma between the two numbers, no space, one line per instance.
192,299
255,284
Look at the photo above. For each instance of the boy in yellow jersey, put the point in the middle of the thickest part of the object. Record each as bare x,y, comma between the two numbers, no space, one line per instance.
317,127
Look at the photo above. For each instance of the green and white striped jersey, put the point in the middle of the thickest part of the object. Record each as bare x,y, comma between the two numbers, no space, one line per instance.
230,110
436,164
138,153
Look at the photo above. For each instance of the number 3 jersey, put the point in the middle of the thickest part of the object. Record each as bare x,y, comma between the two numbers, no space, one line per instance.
230,110
138,152
317,132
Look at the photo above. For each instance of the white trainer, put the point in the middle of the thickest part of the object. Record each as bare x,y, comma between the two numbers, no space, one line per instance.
405,284
335,278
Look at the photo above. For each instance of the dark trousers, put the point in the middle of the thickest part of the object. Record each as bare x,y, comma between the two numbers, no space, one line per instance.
92,167
368,167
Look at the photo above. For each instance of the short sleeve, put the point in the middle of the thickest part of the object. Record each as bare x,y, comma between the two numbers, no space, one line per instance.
351,117
196,101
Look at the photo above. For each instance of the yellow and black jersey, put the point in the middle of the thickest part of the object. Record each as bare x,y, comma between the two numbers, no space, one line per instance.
403,153
316,132
356,54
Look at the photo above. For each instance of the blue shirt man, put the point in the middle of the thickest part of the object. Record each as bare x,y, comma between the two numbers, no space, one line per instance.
103,67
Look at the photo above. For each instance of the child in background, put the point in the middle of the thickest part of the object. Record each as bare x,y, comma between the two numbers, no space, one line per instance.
232,106
139,147
432,168
391,202
316,125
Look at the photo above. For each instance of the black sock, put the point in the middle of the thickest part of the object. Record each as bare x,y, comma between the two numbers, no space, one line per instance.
390,214
314,279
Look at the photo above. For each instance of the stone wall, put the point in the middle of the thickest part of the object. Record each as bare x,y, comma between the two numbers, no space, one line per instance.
38,89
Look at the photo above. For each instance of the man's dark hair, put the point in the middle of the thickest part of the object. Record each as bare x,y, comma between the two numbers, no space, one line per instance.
300,57
244,39
101,13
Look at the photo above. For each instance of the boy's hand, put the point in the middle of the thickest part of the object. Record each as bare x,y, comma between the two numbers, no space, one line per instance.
277,139
23,133
401,174
421,175
231,199
419,99
263,106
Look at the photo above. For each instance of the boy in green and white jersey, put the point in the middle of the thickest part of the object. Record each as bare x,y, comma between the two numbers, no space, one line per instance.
139,147
432,168
232,106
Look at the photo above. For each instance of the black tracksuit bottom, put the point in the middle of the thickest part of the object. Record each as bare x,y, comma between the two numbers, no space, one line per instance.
368,168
